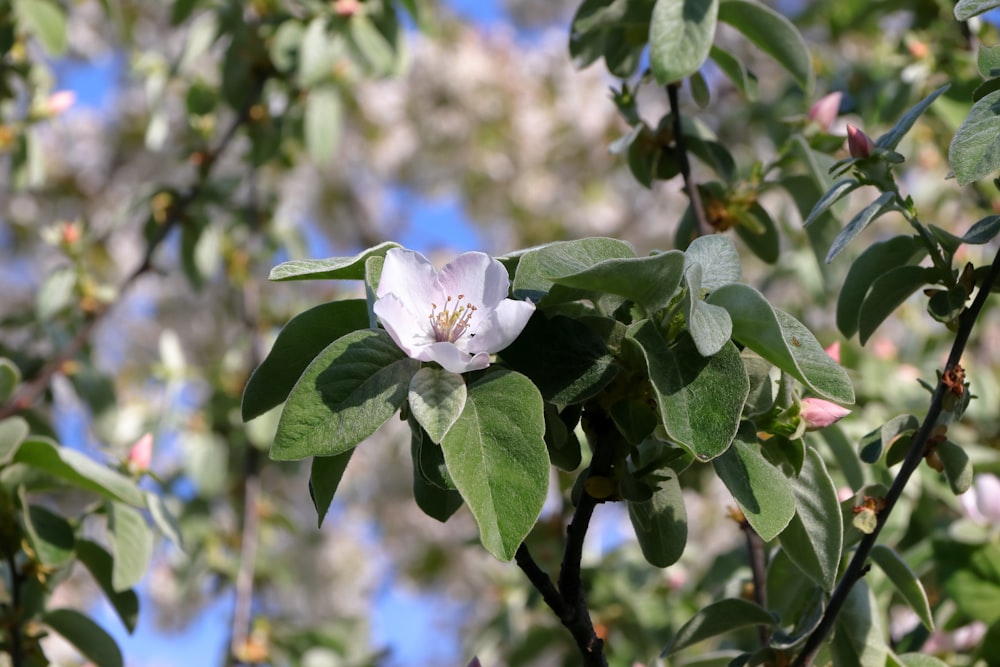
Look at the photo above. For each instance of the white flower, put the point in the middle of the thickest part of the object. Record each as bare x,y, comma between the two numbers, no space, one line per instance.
456,317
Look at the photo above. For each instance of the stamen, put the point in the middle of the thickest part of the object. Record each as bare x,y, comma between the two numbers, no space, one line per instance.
452,321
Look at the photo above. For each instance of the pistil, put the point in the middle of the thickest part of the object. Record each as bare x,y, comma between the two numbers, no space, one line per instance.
452,321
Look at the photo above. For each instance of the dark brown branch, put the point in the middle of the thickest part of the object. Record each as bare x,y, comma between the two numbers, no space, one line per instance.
918,449
758,567
15,650
697,208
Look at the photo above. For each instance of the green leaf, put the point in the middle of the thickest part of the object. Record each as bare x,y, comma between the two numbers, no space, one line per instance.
434,501
957,466
784,341
660,523
99,562
744,80
710,326
700,92
300,341
882,205
905,581
680,37
815,535
988,60
920,660
13,432
759,232
10,377
797,601
700,398
532,279
891,139
837,191
566,359
648,281
345,395
132,543
88,637
888,292
496,455
975,149
858,638
372,45
718,618
324,112
983,231
50,535
45,20
873,444
773,34
164,519
436,398
966,9
319,51
763,493
718,258
870,265
428,458
79,470
332,268
324,478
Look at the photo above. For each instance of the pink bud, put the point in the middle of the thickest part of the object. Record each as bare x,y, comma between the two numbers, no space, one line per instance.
140,455
60,102
475,662
834,351
817,413
824,110
346,8
859,144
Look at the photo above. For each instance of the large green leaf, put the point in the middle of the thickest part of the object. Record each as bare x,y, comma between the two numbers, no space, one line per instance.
797,601
660,523
100,564
50,535
46,20
871,264
565,358
79,470
966,9
532,278
736,70
434,501
888,292
132,541
10,377
436,398
718,258
837,191
783,340
648,281
304,337
496,455
882,204
815,535
332,268
680,37
975,149
700,398
716,619
345,395
773,34
858,639
323,113
905,581
763,493
325,474
88,637
13,432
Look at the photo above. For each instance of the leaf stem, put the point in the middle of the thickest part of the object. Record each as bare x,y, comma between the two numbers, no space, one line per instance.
858,564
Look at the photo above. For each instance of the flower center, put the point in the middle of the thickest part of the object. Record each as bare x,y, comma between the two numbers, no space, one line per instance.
452,321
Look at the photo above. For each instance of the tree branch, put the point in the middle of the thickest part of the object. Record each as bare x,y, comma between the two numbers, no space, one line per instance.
758,566
918,449
697,208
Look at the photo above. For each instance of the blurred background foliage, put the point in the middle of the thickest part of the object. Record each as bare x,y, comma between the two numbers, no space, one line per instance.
210,139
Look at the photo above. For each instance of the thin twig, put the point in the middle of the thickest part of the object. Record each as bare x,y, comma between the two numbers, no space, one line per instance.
697,208
918,449
14,623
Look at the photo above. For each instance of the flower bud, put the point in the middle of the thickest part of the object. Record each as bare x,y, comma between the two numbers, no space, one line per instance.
817,413
859,144
140,455
833,351
59,102
824,111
